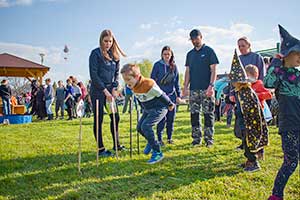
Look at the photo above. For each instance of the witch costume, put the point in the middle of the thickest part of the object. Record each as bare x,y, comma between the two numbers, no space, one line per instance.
256,136
286,81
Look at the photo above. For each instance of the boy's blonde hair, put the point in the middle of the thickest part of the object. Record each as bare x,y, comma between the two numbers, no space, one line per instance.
252,70
131,70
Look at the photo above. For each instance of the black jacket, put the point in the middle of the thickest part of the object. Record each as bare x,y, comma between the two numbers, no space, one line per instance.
5,91
104,73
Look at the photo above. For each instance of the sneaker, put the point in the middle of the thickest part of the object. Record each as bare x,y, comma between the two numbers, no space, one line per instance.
252,167
105,153
209,145
120,148
273,197
170,141
156,157
195,143
147,149
239,148
243,165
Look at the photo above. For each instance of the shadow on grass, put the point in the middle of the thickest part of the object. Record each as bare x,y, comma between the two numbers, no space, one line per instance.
57,176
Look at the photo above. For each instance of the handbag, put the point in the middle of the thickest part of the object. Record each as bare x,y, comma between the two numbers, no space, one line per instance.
168,78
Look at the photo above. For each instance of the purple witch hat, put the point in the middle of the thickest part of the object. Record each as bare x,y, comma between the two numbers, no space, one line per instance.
288,42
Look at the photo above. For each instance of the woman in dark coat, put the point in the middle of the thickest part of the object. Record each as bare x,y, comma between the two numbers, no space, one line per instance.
40,103
104,65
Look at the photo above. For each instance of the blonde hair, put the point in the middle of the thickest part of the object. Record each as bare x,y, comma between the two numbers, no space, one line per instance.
251,69
115,48
245,39
131,70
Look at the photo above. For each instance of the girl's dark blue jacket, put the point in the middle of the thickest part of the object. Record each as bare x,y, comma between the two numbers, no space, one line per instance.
160,68
104,73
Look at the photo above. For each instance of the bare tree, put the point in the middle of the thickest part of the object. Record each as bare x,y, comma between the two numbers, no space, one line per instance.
18,85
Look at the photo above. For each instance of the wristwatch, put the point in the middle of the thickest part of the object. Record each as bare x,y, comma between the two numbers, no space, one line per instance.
212,84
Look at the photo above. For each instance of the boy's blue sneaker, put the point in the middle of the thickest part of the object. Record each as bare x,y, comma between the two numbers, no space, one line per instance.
105,153
147,149
156,157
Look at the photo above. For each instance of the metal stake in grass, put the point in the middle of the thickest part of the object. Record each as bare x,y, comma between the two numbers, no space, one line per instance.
114,111
79,146
137,133
130,121
97,129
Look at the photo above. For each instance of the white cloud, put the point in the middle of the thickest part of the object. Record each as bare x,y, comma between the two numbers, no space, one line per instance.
222,40
145,26
173,21
23,2
148,26
168,23
11,3
52,54
4,3
54,58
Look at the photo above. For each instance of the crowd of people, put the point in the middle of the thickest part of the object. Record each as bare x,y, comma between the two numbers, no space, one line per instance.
39,100
245,94
248,92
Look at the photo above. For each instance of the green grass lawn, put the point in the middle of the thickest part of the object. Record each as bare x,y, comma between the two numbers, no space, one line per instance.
39,161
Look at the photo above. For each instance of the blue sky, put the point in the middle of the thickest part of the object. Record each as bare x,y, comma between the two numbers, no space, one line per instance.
142,28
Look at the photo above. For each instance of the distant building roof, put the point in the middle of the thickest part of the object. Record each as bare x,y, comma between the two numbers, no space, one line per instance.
8,60
14,66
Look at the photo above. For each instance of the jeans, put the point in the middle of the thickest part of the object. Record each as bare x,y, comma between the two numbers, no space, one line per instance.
168,120
59,104
69,104
48,106
150,118
6,106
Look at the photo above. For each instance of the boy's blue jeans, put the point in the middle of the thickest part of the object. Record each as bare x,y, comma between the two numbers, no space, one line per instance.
48,106
6,106
150,118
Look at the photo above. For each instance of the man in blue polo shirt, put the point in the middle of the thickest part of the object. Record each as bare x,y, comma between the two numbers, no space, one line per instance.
200,76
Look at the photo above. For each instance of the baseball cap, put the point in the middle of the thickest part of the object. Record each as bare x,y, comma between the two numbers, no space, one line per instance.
195,33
